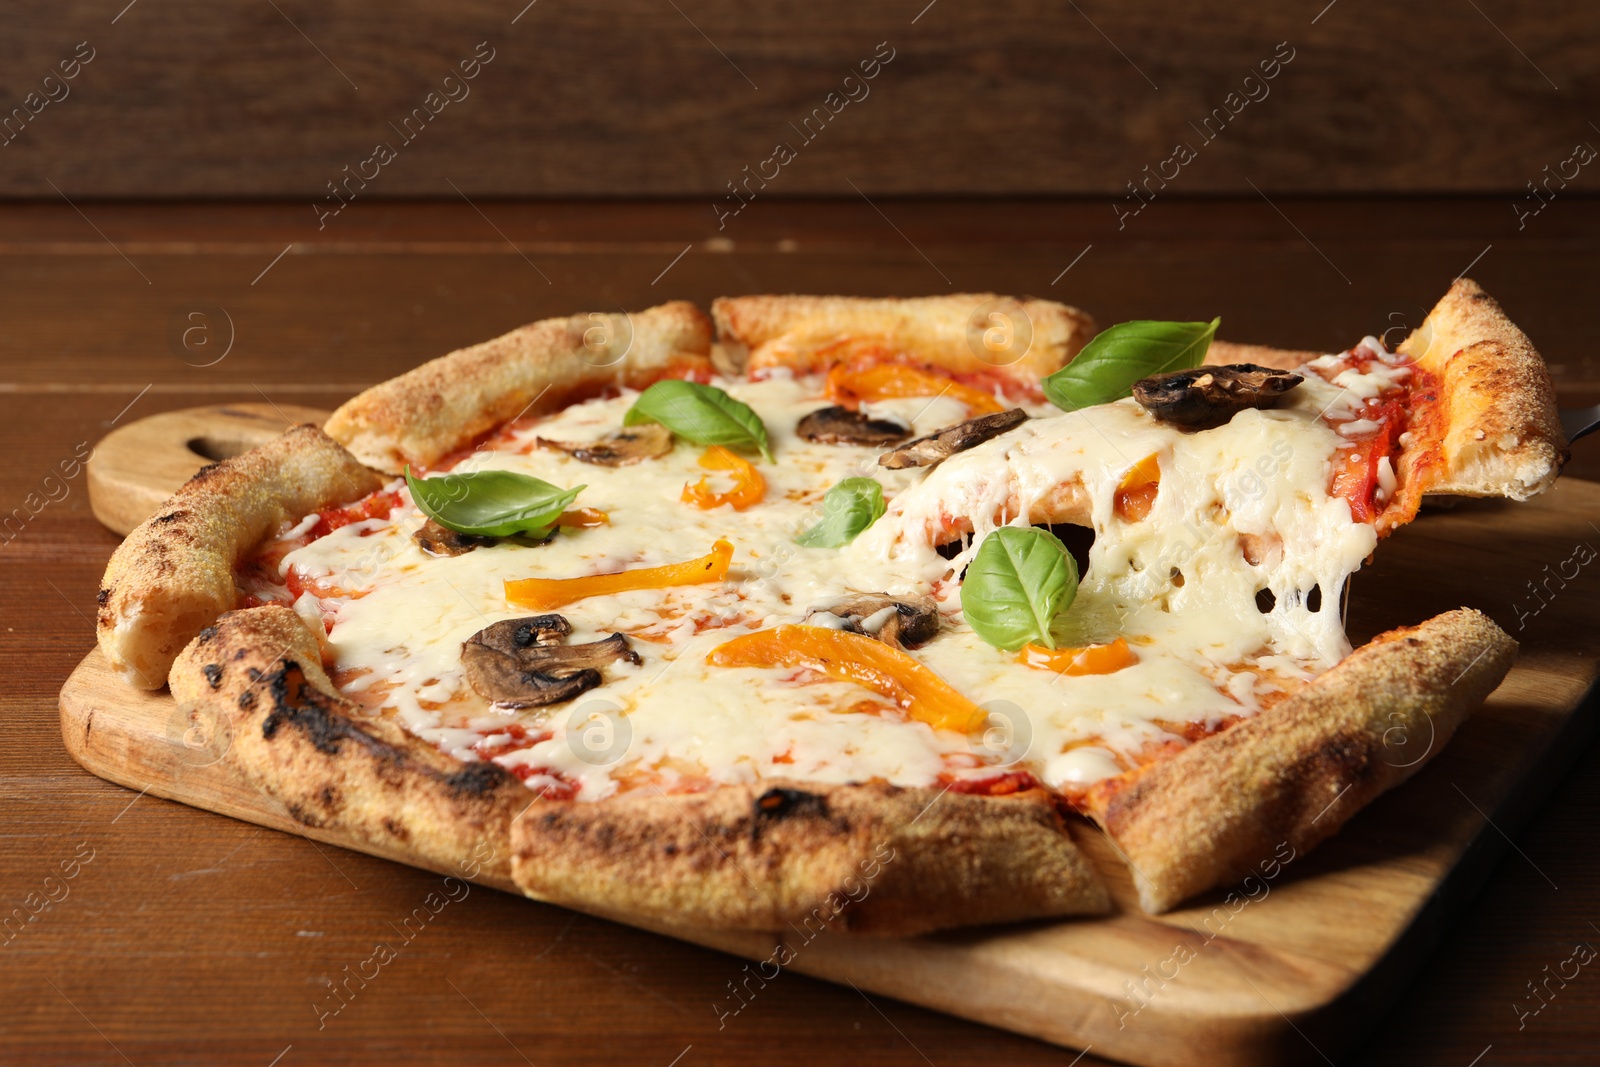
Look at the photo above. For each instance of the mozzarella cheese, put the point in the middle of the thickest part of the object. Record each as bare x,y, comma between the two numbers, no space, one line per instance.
1179,585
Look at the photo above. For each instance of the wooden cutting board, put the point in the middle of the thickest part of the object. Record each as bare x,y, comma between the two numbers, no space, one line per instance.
1296,968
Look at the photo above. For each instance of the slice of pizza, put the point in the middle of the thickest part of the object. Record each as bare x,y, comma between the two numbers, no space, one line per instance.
772,630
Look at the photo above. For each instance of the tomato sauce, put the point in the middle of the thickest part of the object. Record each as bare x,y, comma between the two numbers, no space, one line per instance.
1000,785
1356,471
376,506
1409,408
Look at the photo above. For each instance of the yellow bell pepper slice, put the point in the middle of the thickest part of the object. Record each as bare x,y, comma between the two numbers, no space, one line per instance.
545,594
748,485
583,518
856,658
1136,493
884,380
1095,659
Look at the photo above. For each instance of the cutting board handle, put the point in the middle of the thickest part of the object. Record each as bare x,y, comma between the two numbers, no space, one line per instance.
136,467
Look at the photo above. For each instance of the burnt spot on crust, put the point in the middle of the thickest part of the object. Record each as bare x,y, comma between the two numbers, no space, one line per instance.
1346,763
778,804
213,675
477,779
301,815
1344,758
207,634
171,516
203,474
328,797
103,597
297,704
396,830
247,699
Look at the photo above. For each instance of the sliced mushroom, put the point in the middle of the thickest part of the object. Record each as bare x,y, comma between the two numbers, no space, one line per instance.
633,444
501,679
938,447
841,426
521,663
514,636
438,540
561,659
1205,397
902,622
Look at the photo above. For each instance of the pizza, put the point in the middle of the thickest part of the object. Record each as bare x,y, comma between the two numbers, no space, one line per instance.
839,607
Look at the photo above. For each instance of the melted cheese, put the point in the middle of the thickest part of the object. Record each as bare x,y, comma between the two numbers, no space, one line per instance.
1177,584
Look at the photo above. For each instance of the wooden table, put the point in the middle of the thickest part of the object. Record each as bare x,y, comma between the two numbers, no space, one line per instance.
185,937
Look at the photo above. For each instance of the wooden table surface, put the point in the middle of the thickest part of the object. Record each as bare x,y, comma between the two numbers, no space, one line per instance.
176,936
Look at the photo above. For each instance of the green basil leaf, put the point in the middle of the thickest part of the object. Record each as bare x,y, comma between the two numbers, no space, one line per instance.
849,508
1109,365
703,414
1019,580
491,503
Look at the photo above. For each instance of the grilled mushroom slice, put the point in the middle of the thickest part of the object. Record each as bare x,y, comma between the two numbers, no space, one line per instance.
904,622
559,659
521,663
438,540
620,448
938,447
501,679
841,426
1205,397
514,636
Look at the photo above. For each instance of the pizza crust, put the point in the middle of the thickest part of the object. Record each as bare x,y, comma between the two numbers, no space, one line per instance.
803,332
1298,772
868,858
448,402
1502,434
254,680
174,574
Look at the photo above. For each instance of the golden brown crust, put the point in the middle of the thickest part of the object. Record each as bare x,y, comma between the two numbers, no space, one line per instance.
448,402
868,858
1293,775
175,573
1501,433
1030,338
255,679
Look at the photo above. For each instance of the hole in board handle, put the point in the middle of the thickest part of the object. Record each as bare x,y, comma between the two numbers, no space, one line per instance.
215,449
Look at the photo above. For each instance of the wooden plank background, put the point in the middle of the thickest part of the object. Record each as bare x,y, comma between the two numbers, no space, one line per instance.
274,98
391,285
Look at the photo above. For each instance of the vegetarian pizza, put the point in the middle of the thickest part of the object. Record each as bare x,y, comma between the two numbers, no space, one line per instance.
842,604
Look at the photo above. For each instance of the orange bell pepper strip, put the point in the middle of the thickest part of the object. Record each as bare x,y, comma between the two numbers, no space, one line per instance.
1136,493
544,594
884,380
856,658
583,518
748,485
1095,659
